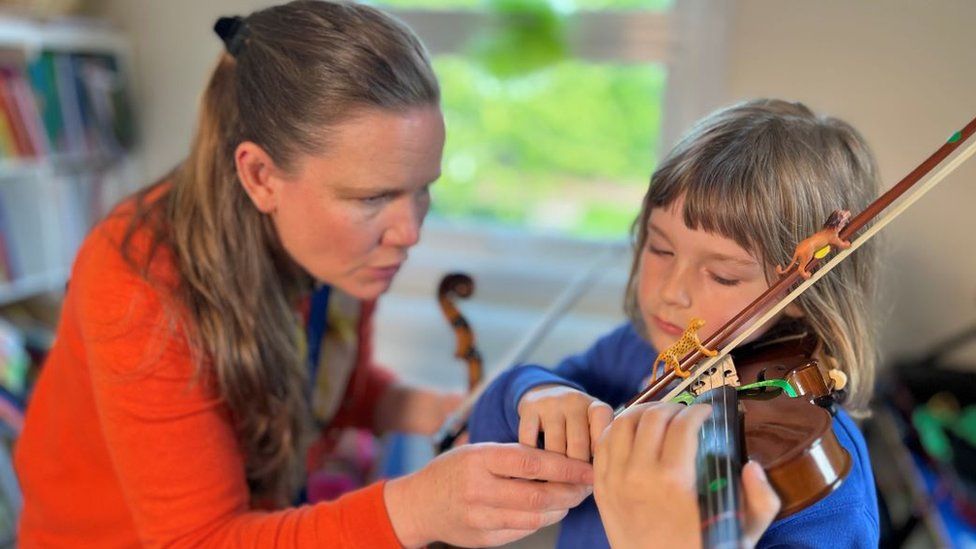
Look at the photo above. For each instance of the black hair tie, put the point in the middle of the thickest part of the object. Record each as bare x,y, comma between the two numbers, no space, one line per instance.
232,31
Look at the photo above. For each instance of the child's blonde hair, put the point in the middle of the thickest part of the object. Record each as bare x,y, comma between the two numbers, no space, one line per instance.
767,173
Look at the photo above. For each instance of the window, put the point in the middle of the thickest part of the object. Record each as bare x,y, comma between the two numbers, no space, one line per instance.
554,114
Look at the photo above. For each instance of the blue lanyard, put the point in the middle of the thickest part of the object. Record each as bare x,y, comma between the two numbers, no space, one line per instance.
318,323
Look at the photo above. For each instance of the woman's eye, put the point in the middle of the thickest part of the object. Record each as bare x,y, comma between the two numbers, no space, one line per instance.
375,199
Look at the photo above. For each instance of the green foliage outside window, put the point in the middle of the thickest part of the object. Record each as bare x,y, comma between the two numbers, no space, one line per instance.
562,5
570,147
540,140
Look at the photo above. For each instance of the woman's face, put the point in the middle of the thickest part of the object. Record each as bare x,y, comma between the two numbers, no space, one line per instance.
349,216
686,273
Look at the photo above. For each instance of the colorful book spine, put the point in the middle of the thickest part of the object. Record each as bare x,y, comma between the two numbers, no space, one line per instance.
42,79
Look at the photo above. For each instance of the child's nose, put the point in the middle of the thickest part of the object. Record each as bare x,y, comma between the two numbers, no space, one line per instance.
674,290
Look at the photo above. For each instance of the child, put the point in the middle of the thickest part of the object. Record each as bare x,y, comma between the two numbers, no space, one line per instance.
724,208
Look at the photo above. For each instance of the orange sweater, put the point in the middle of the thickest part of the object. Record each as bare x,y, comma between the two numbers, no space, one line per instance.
120,448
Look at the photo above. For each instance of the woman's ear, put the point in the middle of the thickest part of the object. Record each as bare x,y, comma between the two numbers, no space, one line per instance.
258,175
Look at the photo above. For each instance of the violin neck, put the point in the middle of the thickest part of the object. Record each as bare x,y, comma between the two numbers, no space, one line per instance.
719,462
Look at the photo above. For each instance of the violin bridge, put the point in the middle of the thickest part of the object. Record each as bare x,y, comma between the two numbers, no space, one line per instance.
720,374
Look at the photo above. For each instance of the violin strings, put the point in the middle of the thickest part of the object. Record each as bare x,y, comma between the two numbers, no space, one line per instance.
707,473
734,504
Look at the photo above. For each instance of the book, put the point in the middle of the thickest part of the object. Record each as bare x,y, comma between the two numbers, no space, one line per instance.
42,79
68,100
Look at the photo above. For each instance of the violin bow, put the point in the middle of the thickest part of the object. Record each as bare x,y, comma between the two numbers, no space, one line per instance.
763,308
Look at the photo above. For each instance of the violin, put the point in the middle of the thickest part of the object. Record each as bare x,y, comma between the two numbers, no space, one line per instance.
781,416
461,285
772,400
458,285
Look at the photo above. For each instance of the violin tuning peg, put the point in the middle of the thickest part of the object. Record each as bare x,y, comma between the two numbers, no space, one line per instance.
838,379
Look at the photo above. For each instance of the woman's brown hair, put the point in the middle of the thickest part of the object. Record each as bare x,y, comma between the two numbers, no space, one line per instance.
297,71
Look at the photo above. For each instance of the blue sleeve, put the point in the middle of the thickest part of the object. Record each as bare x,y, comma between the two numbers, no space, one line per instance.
614,368
611,370
848,517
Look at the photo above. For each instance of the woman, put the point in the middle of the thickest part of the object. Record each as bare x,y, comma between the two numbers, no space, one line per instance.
182,395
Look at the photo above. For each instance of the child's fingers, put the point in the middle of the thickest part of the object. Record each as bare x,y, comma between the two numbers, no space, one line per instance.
617,441
762,502
599,414
578,437
681,439
529,429
554,432
652,424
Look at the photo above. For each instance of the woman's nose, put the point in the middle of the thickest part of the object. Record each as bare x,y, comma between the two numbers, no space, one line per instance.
404,230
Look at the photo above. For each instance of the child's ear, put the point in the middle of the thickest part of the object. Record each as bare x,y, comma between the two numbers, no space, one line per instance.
793,311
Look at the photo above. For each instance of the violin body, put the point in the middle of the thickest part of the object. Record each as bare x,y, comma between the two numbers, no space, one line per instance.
792,438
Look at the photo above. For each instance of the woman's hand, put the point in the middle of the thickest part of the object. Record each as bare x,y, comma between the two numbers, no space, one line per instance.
571,421
485,494
645,480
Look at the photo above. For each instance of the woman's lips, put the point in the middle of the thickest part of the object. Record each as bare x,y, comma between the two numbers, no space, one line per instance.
385,272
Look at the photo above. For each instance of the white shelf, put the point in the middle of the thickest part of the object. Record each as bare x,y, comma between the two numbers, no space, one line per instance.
50,201
69,34
15,168
24,287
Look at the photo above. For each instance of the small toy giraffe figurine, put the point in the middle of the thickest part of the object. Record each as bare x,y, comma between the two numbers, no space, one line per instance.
818,244
672,356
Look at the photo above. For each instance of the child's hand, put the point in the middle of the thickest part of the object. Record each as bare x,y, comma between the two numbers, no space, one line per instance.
645,480
571,421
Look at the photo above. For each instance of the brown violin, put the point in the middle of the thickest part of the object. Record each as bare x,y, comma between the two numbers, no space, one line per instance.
460,285
451,286
772,402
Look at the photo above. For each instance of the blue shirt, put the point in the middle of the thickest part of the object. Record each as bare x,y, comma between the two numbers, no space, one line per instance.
614,370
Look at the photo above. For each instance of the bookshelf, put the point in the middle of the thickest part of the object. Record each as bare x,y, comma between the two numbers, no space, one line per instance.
67,136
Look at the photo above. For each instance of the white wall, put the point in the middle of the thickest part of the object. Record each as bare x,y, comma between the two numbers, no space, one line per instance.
900,70
904,73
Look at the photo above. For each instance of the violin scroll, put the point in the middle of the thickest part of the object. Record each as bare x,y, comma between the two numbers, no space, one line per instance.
461,285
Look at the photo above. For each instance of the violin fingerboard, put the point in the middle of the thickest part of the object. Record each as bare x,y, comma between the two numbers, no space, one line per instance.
719,467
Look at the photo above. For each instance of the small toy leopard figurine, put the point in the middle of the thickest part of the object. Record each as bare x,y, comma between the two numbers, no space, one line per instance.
685,344
818,244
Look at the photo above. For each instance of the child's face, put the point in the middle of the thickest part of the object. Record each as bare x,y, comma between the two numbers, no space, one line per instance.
687,274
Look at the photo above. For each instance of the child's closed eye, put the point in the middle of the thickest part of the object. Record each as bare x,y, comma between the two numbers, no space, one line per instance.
725,281
659,251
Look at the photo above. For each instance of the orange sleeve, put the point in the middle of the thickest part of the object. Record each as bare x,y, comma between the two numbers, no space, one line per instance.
170,442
